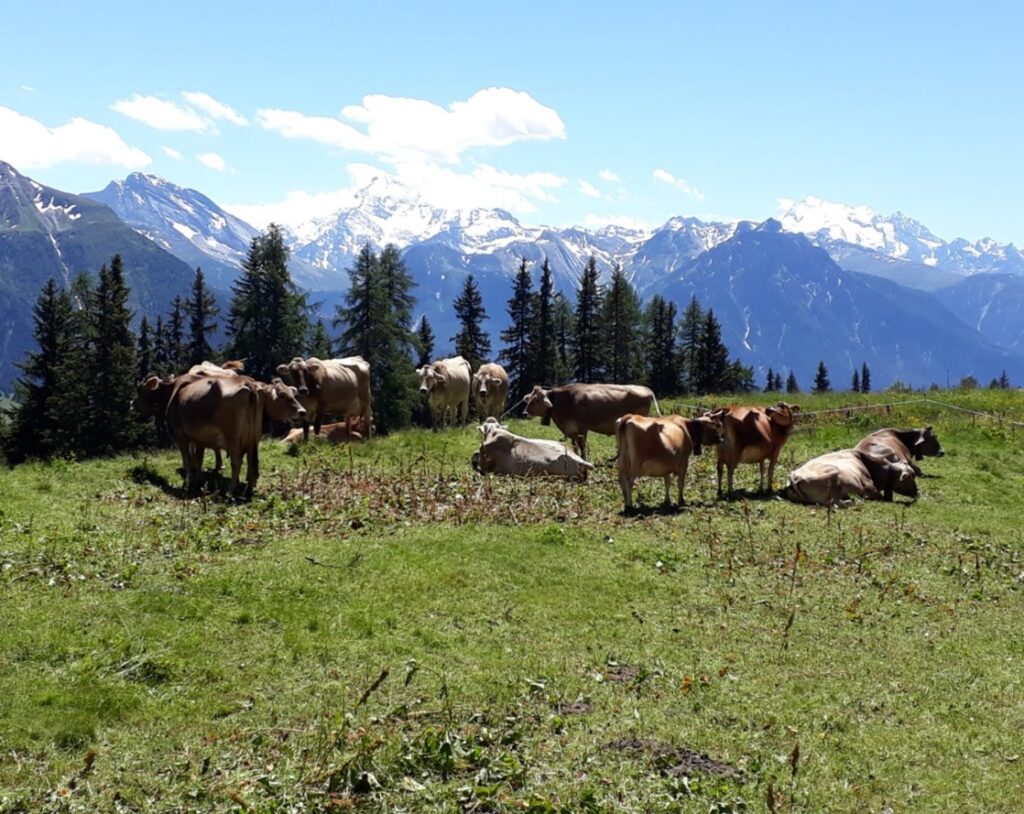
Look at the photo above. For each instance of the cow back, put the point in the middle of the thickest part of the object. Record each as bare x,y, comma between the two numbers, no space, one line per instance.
596,407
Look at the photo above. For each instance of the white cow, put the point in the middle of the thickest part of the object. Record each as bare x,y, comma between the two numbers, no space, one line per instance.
504,453
445,383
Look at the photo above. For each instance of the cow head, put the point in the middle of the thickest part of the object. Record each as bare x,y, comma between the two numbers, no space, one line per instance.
782,414
927,443
485,384
430,379
537,403
280,402
903,480
151,395
490,425
296,373
708,429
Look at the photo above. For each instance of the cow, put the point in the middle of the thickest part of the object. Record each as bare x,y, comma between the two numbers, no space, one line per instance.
338,387
661,448
903,445
754,435
446,384
339,433
578,409
833,478
226,413
504,453
490,389
204,368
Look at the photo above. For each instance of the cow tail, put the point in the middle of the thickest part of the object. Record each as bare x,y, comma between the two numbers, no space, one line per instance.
620,433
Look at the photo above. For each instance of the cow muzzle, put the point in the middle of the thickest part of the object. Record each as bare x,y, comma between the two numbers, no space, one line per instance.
301,413
424,390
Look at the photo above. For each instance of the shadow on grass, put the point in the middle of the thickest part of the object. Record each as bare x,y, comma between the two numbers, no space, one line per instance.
215,486
665,509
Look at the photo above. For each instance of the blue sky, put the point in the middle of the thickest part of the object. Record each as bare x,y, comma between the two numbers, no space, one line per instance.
563,112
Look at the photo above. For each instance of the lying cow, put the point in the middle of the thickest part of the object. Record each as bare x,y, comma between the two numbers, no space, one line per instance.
490,389
339,387
338,433
446,385
578,409
661,448
903,445
834,478
504,453
754,435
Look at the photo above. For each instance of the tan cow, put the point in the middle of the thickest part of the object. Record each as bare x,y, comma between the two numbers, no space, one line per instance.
446,384
490,389
226,413
754,435
661,448
903,445
833,478
578,409
504,453
339,387
339,433
204,368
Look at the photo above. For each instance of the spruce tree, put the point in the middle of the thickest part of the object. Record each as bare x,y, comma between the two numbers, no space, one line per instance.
319,341
739,378
791,385
1004,381
517,355
662,375
144,350
588,341
177,349
202,322
622,329
397,395
161,352
855,383
424,343
689,345
821,380
471,342
769,384
73,435
542,335
865,378
712,362
362,316
564,328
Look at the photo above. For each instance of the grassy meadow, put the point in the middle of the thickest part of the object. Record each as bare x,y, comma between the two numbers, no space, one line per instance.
382,629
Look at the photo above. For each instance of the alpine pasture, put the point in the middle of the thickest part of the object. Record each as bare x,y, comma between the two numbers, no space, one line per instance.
383,629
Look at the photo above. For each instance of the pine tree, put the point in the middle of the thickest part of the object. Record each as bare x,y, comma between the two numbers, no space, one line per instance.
588,341
471,342
712,362
622,327
543,330
564,327
662,376
821,380
791,385
689,345
769,384
865,379
177,350
424,342
202,322
855,383
319,341
517,354
144,350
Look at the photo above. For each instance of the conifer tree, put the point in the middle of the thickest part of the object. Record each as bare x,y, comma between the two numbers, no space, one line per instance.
739,378
712,362
516,355
362,316
662,375
564,327
144,351
791,384
542,338
769,384
319,341
161,353
471,342
821,380
73,435
689,345
202,322
1004,381
855,383
588,341
177,349
424,342
865,378
622,329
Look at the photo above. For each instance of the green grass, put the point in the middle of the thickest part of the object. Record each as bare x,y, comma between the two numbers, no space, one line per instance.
543,652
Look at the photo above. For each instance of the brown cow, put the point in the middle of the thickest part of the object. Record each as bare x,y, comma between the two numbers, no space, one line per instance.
754,435
833,478
903,445
226,413
338,433
578,409
661,448
490,389
446,384
340,387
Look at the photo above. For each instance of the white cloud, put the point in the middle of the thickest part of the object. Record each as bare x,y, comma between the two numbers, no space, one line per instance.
27,143
609,176
679,183
588,189
295,209
212,161
213,108
28,89
400,129
161,114
172,153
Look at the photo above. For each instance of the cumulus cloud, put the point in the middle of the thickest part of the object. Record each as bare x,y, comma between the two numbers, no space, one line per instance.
212,161
399,129
161,114
679,183
588,189
172,153
609,176
27,143
213,108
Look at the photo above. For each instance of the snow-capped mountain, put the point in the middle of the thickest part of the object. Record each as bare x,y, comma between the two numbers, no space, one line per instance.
182,221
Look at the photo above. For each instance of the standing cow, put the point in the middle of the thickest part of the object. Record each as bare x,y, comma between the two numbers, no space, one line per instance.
903,445
339,387
754,435
490,389
446,385
661,448
578,409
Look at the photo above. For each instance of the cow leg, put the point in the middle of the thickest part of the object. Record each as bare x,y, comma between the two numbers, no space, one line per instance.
320,410
305,429
218,462
682,480
732,471
185,447
583,446
771,474
668,491
626,484
760,476
721,468
236,469
252,471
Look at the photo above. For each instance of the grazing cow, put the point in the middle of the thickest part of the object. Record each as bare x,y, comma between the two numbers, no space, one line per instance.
338,433
661,448
226,413
504,453
204,368
903,445
833,478
490,388
446,385
578,409
754,435
340,387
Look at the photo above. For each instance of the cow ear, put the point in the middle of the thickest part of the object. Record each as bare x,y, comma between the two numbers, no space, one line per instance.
282,370
152,383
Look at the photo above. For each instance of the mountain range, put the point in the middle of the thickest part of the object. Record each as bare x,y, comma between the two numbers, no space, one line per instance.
824,281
